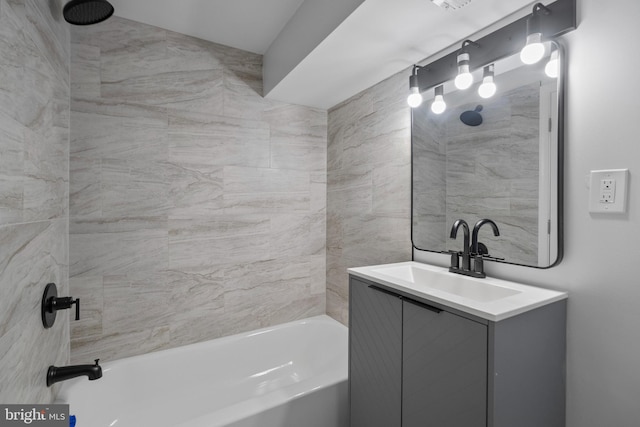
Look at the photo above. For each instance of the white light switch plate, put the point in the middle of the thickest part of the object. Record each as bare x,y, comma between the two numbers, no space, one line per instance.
608,191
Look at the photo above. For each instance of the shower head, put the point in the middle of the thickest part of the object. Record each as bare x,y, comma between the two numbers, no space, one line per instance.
87,12
472,117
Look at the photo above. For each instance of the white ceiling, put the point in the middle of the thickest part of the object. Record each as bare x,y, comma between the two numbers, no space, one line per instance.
244,24
379,39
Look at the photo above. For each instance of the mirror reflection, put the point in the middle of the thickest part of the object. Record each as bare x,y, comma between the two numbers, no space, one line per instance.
494,158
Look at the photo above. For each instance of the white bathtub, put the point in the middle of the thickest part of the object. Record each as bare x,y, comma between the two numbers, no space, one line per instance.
291,375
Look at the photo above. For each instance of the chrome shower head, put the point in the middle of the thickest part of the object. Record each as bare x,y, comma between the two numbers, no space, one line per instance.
87,12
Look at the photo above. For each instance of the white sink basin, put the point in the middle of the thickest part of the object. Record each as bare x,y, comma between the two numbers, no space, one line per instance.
452,284
489,298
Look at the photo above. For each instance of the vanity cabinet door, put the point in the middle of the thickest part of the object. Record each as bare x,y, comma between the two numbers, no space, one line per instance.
375,356
444,369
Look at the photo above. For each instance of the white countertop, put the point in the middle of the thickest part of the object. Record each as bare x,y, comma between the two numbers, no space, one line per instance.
488,298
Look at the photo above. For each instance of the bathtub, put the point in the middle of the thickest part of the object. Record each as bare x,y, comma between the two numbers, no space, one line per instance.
290,375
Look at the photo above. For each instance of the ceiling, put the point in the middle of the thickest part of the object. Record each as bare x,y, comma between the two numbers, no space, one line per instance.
377,40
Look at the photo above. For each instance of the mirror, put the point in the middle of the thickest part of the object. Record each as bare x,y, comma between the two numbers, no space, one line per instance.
498,158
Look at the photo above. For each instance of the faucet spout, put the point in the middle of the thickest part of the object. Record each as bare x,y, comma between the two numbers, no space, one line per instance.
56,374
476,230
466,256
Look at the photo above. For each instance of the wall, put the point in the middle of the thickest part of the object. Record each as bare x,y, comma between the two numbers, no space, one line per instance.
34,188
599,269
368,185
198,208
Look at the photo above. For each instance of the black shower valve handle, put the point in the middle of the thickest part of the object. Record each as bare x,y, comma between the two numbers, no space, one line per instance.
65,303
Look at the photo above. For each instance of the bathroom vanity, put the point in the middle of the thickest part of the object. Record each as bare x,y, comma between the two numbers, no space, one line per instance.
431,348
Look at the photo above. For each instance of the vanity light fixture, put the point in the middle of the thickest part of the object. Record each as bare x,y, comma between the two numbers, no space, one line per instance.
438,106
415,98
552,69
488,88
464,79
533,51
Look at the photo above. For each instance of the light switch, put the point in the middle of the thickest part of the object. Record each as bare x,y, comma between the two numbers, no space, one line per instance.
608,191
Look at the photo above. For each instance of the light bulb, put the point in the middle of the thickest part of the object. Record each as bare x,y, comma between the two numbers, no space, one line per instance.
488,88
533,51
464,79
438,105
415,98
552,68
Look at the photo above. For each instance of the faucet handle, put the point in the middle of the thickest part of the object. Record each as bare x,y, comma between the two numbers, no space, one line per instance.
97,360
455,259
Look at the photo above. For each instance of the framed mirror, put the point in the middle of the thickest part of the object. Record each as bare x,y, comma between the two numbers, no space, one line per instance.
498,158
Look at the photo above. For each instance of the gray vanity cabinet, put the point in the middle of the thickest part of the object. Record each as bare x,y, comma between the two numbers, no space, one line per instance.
375,357
415,363
444,368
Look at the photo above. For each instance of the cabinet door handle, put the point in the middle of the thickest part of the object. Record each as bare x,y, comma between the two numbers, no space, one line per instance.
384,291
423,305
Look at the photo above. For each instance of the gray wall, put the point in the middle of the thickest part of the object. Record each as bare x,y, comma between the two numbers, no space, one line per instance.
599,269
34,189
198,208
368,185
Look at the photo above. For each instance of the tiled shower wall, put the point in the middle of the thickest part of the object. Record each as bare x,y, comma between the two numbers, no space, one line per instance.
198,208
34,189
368,185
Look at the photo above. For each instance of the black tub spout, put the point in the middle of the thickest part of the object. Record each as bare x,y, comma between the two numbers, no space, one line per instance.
56,374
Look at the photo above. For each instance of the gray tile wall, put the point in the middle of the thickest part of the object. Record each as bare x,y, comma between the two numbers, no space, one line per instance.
368,185
198,208
34,189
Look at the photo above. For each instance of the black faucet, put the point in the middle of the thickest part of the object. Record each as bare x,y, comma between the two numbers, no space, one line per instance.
478,262
56,374
466,256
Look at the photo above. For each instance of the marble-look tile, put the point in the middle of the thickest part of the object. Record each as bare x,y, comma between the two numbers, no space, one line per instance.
297,234
34,159
46,185
289,310
262,203
51,36
199,243
390,195
308,156
24,367
353,200
134,188
210,197
242,96
107,136
116,346
368,196
122,295
11,170
86,65
34,254
318,274
186,53
293,123
118,246
219,150
85,185
196,294
195,190
90,291
264,180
